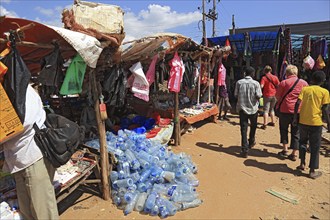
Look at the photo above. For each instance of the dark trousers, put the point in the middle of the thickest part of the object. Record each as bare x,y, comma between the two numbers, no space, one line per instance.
244,123
286,119
311,134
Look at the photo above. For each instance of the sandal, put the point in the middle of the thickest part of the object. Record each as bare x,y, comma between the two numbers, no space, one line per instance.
283,153
271,124
292,157
263,127
316,174
301,167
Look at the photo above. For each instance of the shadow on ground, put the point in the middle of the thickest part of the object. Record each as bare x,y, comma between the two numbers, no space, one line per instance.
73,200
236,150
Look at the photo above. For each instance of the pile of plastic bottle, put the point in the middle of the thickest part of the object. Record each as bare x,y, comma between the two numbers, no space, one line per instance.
149,178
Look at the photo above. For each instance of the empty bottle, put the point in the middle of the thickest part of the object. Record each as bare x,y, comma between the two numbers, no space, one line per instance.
193,204
139,206
130,205
150,202
123,183
114,176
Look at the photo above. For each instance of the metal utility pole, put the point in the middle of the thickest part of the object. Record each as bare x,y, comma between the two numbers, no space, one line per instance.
213,20
203,13
233,23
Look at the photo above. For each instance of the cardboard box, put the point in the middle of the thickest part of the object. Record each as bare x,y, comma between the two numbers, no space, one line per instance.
10,124
108,19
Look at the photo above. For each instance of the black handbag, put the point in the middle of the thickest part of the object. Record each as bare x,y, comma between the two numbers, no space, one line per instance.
277,110
59,140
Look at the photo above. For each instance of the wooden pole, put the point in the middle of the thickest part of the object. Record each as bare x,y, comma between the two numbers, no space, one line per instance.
177,135
102,137
208,77
199,81
37,45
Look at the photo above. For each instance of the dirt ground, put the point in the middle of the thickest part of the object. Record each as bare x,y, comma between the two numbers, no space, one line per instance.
230,186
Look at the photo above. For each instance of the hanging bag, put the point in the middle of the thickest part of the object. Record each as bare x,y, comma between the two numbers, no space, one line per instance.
59,140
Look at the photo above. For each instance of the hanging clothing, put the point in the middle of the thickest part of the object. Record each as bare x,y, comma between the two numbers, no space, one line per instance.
222,75
51,73
114,86
74,77
16,81
150,75
188,75
176,73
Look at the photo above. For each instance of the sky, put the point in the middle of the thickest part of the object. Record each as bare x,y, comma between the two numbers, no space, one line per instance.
147,17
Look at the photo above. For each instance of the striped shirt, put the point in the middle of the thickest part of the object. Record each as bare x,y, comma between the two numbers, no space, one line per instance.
248,93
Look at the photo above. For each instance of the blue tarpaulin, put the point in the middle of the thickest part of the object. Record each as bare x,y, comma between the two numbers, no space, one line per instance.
260,41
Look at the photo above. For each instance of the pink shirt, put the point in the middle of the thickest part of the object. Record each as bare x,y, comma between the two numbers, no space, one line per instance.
288,104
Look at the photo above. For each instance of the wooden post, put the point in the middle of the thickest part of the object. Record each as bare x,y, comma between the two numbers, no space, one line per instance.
177,129
199,81
102,137
208,78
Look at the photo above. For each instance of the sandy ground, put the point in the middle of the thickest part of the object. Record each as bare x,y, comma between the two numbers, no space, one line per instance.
231,187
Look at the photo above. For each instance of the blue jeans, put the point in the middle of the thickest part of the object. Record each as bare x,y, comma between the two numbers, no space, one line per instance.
311,134
243,121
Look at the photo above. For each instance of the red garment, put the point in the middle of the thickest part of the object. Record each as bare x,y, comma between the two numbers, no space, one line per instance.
152,133
269,88
150,75
176,73
288,104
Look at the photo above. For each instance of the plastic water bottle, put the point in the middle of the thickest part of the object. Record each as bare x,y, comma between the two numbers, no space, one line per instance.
143,163
168,176
150,202
189,179
156,171
130,205
124,166
171,208
183,197
162,207
114,176
155,210
115,198
135,177
144,175
124,183
141,201
193,204
135,164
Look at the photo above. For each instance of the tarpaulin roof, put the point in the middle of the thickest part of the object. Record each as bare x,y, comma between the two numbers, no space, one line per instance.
41,36
260,41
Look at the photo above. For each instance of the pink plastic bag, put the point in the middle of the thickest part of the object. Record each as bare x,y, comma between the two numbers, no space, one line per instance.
308,63
176,73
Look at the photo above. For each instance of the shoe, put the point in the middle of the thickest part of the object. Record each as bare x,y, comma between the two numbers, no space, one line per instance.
263,127
283,153
316,174
292,157
271,124
301,167
244,154
251,145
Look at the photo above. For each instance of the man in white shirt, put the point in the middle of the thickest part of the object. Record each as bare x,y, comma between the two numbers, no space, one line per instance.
248,93
33,173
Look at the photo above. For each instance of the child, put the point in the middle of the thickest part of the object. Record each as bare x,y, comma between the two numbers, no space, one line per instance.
314,101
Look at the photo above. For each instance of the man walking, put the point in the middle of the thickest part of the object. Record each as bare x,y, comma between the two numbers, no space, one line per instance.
248,93
314,101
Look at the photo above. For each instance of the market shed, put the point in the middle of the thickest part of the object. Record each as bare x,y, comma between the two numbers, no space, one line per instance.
34,41
165,45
